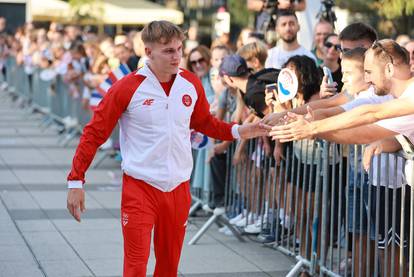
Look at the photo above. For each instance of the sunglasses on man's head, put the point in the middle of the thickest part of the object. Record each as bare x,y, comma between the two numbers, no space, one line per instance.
377,44
199,61
330,45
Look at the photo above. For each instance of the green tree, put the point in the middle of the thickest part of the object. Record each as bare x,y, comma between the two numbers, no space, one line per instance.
87,11
238,12
397,14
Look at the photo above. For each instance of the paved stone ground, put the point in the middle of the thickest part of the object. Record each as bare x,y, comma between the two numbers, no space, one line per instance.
38,238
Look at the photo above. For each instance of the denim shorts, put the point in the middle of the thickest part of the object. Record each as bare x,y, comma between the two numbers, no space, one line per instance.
358,195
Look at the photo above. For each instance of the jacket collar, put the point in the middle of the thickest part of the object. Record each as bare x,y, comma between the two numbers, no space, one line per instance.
147,72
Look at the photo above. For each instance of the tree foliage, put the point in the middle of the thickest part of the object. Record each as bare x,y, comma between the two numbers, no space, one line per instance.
238,11
390,9
399,14
86,10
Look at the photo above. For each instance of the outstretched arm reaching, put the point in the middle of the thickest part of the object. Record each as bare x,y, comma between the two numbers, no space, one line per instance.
339,99
365,114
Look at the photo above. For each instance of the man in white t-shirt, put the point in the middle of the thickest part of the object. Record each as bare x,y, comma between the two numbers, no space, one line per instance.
287,28
356,91
355,35
387,69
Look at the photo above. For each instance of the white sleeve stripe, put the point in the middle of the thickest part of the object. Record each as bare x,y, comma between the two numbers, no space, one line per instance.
75,184
235,131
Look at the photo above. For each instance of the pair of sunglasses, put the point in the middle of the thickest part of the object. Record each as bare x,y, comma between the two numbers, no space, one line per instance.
377,44
199,61
330,45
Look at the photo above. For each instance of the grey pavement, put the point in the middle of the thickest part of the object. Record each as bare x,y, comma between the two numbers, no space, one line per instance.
39,238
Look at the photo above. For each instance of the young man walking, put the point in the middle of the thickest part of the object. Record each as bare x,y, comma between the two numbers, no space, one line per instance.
156,106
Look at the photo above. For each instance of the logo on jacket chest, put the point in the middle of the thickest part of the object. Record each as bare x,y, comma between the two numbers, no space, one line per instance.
148,102
187,100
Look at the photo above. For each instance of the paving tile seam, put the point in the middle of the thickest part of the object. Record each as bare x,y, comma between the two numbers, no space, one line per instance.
232,250
36,135
14,146
97,201
56,214
58,187
229,274
24,239
90,195
61,234
66,168
65,172
53,166
56,228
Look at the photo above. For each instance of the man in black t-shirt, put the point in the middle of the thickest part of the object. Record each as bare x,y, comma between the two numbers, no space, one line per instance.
236,74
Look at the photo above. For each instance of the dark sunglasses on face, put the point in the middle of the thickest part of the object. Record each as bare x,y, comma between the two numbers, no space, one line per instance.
199,61
330,44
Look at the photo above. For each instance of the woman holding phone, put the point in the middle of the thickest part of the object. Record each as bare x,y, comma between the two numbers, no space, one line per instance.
331,65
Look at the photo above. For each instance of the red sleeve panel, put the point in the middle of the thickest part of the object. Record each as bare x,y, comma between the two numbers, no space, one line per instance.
201,119
104,119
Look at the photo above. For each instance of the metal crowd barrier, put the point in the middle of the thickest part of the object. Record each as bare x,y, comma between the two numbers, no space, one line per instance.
49,97
324,209
56,100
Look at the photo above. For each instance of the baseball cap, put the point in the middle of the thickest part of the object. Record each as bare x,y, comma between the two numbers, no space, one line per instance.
233,65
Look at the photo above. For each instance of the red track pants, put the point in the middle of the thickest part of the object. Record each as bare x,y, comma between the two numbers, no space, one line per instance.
144,207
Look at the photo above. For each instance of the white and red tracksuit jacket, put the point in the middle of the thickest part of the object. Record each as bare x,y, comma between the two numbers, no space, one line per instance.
154,128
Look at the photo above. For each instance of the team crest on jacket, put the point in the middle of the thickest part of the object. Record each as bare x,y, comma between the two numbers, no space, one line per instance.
187,101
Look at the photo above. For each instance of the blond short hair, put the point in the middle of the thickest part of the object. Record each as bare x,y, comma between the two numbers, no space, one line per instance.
252,50
161,32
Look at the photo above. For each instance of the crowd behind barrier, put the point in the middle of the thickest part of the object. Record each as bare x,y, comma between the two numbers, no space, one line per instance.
304,202
312,217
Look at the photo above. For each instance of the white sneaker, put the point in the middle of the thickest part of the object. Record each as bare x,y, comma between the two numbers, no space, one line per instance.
207,208
70,122
228,232
241,223
4,86
254,228
262,221
219,211
236,219
249,219
223,229
286,222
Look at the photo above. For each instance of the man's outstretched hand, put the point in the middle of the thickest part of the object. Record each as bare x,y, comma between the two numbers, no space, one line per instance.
273,119
254,130
296,127
76,202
